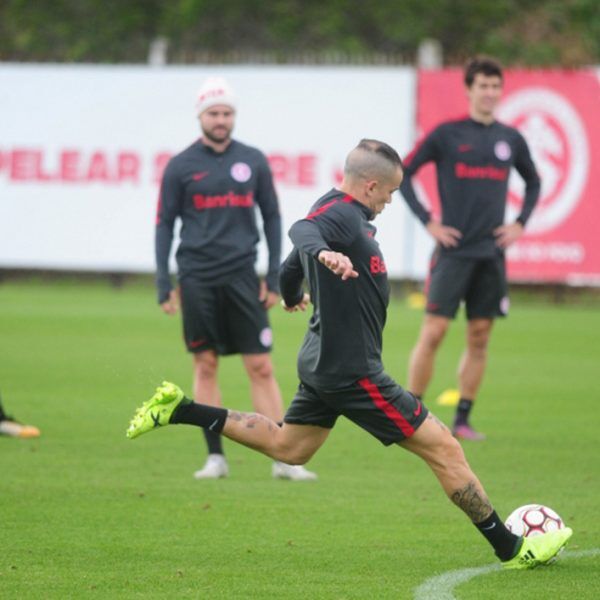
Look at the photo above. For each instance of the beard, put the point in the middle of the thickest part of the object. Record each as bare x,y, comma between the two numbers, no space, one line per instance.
223,135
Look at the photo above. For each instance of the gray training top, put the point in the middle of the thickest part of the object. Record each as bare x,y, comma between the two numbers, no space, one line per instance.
344,338
473,163
215,195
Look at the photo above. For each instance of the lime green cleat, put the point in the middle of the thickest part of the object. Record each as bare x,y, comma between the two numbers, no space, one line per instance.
539,550
157,411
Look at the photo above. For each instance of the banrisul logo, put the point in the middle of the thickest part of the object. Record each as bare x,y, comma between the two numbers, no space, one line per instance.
559,146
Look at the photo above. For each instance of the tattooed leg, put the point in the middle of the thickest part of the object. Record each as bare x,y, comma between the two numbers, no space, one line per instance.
292,444
473,501
441,425
434,443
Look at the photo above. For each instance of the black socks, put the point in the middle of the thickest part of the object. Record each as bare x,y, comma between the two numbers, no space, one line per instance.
202,415
462,412
213,441
505,543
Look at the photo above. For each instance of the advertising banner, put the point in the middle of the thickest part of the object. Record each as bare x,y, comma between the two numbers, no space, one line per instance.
557,113
83,148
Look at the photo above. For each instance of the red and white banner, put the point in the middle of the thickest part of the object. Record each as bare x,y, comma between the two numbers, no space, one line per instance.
83,147
557,112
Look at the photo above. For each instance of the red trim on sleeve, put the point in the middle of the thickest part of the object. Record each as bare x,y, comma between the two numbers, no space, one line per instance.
321,209
379,401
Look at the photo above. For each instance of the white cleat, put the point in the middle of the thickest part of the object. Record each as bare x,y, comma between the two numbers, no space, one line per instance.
15,429
214,468
292,472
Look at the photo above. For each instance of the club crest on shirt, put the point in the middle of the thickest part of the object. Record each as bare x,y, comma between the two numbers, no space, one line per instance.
241,172
266,337
502,150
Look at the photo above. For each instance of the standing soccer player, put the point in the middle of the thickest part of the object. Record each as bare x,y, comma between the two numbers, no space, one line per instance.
339,364
214,187
473,157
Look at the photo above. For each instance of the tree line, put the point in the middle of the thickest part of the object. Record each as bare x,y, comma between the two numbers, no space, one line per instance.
518,32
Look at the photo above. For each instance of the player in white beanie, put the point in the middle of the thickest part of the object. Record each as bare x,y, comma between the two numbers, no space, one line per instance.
214,91
215,107
214,187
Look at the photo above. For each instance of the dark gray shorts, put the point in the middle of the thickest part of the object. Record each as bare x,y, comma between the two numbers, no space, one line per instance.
377,404
227,318
480,282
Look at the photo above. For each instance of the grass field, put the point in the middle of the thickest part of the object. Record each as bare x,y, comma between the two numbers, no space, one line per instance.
88,514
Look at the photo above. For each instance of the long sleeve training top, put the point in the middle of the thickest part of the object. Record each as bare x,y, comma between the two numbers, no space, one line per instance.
215,195
473,162
344,338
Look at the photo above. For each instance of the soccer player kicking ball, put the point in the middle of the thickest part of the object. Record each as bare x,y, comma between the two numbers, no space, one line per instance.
339,364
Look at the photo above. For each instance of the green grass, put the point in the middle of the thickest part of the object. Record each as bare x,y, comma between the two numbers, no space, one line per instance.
88,514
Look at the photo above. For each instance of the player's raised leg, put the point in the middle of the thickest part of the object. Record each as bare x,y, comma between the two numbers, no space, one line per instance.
266,400
434,443
291,444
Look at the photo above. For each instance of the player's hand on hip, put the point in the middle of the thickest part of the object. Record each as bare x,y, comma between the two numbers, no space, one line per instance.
338,263
508,234
447,236
171,305
266,296
300,306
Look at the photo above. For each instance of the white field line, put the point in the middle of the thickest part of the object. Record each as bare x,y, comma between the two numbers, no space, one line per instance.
441,586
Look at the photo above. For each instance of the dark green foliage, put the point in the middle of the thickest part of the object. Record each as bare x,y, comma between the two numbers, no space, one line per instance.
528,32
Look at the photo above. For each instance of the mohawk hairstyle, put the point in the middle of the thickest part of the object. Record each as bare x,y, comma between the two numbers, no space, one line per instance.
383,149
372,159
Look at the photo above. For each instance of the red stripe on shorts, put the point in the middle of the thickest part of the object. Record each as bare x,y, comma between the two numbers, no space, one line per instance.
373,391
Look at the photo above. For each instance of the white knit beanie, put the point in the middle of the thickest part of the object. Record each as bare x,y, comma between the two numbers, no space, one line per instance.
214,91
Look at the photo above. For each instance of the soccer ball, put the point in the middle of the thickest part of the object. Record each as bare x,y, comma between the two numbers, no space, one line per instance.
533,519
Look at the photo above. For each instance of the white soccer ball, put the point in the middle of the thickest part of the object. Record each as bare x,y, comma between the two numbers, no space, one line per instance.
533,519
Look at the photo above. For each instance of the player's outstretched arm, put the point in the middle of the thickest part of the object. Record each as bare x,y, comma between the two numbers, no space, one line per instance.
338,263
291,277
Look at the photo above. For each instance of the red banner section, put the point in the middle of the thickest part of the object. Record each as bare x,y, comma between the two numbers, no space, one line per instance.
557,112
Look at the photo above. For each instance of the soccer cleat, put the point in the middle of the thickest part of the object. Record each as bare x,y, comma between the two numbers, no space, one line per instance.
13,428
215,468
466,432
157,411
539,550
282,470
